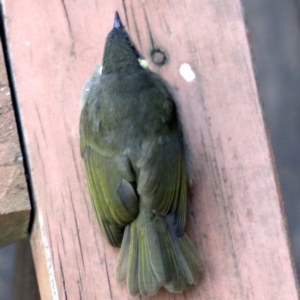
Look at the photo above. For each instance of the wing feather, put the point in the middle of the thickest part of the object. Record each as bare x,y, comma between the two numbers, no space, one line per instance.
115,204
162,182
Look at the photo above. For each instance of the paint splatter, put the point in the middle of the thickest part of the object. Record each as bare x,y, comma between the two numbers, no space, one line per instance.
186,72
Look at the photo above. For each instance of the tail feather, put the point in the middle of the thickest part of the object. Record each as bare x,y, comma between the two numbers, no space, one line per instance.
157,246
191,254
122,265
186,265
143,269
177,283
148,282
132,271
152,256
181,262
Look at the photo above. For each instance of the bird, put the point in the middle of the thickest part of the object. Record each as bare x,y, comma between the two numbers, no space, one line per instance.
133,148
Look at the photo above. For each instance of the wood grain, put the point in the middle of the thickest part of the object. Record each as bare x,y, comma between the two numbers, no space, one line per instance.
15,206
236,214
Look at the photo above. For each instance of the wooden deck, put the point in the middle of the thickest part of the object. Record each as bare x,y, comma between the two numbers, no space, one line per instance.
236,218
15,208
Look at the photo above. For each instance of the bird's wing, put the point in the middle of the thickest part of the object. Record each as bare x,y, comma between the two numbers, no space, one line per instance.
162,182
109,176
113,197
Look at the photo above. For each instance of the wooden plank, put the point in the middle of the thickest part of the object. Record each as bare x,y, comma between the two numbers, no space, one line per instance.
15,206
236,218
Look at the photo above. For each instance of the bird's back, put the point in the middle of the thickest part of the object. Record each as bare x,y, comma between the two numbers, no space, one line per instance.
125,110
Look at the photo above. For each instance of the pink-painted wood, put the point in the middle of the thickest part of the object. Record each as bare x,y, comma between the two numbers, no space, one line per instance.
236,214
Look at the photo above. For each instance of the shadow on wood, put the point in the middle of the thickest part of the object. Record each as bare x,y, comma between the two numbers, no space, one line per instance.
25,285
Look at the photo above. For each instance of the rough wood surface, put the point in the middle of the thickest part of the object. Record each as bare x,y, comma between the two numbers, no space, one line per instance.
236,216
15,206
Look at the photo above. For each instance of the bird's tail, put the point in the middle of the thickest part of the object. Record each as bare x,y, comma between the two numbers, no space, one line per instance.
152,256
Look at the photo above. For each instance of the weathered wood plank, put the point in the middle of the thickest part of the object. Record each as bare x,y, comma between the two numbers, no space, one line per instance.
236,216
15,206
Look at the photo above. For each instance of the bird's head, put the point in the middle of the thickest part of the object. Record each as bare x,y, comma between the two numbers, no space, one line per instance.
120,54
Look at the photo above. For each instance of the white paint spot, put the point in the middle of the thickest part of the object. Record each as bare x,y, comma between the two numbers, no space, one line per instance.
186,72
19,158
7,94
2,89
27,44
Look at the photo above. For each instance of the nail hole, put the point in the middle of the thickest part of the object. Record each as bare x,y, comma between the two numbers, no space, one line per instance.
158,57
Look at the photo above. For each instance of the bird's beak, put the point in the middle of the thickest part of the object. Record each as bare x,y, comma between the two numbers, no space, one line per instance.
117,22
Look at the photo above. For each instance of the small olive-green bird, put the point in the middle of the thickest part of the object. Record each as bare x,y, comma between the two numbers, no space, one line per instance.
132,145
